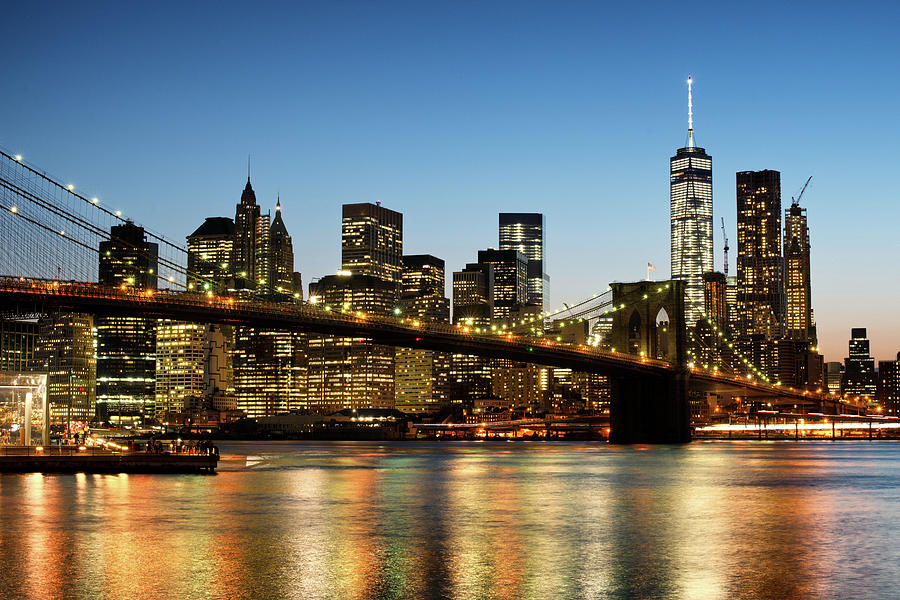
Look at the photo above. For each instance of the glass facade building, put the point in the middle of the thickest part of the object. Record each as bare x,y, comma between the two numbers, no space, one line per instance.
526,233
798,288
372,241
760,266
691,213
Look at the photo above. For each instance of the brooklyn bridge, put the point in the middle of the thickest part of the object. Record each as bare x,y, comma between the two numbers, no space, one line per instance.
52,235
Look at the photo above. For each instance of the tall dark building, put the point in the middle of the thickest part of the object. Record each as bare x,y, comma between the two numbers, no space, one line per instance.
421,376
126,346
710,332
128,259
510,286
281,264
210,252
760,273
691,213
247,234
66,351
18,340
799,322
887,393
473,293
525,232
422,289
859,367
372,241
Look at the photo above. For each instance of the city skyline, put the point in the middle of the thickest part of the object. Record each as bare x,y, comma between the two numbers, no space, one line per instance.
571,165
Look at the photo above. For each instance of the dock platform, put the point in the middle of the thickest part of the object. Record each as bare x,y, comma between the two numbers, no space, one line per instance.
75,459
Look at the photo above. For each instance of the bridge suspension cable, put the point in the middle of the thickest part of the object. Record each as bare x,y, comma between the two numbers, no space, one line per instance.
52,231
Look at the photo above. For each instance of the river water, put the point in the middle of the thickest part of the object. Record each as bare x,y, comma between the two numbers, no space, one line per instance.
468,520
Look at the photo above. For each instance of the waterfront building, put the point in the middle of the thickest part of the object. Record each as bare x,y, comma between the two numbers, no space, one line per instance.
372,241
761,299
887,393
470,375
270,371
799,322
691,211
210,251
510,284
421,376
351,372
859,367
126,346
193,365
526,233
66,351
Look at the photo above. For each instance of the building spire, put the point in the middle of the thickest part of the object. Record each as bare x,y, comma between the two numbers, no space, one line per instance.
248,167
690,83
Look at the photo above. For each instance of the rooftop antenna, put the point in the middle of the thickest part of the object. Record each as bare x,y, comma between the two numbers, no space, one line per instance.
248,167
690,113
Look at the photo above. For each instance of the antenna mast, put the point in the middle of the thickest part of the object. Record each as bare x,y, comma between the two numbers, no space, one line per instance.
690,113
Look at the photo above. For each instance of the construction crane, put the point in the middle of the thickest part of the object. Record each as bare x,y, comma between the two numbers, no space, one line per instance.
796,201
725,235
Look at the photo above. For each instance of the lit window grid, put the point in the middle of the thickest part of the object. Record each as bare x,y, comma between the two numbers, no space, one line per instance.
691,211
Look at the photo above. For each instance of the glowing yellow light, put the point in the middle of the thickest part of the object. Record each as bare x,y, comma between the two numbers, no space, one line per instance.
14,209
18,157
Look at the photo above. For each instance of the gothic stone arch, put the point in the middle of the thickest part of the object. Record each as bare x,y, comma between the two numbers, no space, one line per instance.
643,300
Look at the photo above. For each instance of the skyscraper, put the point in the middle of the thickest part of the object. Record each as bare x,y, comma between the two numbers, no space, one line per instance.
351,372
66,351
798,289
422,289
691,210
859,367
421,376
525,232
281,249
18,340
372,241
126,346
888,389
760,265
246,235
473,294
210,252
510,283
193,365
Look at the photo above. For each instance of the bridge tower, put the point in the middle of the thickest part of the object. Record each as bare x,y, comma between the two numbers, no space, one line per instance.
649,321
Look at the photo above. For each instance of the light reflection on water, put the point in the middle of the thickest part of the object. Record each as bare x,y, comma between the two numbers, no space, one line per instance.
464,520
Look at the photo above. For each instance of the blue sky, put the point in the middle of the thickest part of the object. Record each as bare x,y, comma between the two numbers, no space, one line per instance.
453,112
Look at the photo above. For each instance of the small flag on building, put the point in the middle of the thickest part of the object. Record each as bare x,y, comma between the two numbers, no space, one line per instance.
651,267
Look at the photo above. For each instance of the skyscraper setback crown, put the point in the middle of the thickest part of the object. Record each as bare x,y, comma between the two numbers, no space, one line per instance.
690,204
